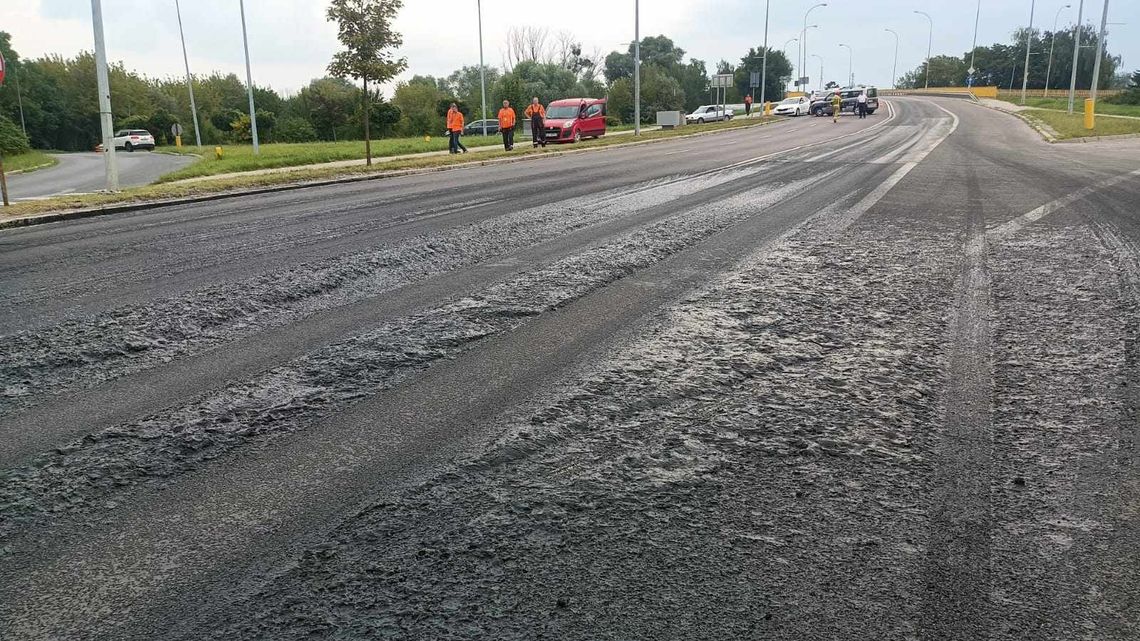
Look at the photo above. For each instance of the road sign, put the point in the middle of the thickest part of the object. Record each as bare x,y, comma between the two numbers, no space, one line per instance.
1,68
755,79
971,71
802,82
176,129
722,81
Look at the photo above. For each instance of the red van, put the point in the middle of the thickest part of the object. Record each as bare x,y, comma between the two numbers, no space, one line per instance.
573,119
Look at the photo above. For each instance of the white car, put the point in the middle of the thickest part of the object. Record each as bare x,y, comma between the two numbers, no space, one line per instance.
132,139
792,107
708,113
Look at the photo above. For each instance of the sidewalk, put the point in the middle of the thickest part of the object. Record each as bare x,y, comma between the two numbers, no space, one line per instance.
340,164
1013,108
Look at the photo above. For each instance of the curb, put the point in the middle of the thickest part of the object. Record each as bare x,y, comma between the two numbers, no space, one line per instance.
1086,139
30,169
77,214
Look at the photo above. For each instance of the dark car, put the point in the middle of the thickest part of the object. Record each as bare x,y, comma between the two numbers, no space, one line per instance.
475,128
849,100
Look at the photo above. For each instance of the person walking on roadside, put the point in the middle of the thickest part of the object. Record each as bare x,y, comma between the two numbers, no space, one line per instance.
537,115
507,125
861,104
455,128
748,105
836,106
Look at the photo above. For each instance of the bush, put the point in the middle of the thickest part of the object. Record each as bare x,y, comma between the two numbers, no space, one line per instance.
613,121
294,129
12,140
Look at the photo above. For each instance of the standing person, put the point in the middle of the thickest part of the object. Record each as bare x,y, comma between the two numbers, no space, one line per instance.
861,104
507,125
537,115
836,106
748,105
455,128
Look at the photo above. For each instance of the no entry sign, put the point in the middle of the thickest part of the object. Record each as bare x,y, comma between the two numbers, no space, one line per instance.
1,68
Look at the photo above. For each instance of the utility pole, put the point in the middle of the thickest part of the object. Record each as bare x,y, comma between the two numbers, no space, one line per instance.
20,97
189,78
636,67
482,68
785,50
249,83
104,84
850,65
803,38
974,48
764,66
1099,53
929,45
1076,54
1028,46
1052,44
895,67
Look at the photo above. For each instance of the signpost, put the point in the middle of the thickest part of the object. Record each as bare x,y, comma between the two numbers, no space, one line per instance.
3,181
721,82
176,131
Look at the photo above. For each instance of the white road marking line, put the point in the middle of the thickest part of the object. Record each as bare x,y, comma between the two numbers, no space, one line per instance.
680,151
977,245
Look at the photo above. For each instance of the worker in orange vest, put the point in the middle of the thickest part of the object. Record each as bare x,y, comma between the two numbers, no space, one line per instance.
537,115
507,125
455,128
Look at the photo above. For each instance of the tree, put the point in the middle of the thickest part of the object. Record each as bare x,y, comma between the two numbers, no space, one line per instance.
659,92
327,103
365,31
418,102
466,84
779,71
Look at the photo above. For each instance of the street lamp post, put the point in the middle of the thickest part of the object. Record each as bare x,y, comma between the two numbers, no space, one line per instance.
895,66
482,67
850,65
764,67
249,83
1052,44
1099,53
803,38
974,47
636,67
785,48
803,67
189,78
1028,47
929,45
1076,54
102,79
815,55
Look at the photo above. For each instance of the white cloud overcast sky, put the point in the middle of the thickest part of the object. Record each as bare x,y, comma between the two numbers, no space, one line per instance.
290,41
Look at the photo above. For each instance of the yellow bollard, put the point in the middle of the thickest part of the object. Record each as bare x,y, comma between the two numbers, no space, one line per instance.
427,138
1090,113
178,142
217,153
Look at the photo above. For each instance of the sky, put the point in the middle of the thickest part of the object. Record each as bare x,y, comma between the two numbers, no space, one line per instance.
291,42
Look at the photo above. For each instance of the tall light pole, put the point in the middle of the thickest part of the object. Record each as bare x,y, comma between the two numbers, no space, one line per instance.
189,78
895,66
103,81
482,68
850,65
974,47
20,97
1099,53
636,67
1028,46
1076,54
1053,43
929,45
803,65
785,48
764,67
249,83
803,38
816,55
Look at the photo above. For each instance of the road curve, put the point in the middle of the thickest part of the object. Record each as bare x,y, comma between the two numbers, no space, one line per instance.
83,173
872,379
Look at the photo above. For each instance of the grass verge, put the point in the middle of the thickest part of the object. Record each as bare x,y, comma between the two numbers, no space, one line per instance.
28,161
1062,104
1073,126
161,192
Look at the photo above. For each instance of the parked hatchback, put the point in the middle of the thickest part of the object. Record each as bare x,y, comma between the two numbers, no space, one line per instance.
132,139
573,119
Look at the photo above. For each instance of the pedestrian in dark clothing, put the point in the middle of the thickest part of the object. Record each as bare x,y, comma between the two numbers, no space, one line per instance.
537,115
748,106
507,125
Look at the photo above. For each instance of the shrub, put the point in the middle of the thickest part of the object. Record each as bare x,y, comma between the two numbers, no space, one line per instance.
12,139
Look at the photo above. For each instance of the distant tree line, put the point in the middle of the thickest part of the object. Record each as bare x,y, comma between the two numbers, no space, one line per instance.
1003,65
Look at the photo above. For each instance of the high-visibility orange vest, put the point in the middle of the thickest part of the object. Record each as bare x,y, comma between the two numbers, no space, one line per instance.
535,109
506,118
455,120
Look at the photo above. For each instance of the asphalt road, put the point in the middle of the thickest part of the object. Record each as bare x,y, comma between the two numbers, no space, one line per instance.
84,173
866,380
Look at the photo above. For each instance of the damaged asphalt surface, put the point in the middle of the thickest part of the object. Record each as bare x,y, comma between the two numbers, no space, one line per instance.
868,380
